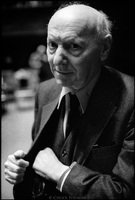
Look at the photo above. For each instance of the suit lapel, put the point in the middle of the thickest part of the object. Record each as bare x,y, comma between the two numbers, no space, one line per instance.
92,126
36,145
47,112
100,109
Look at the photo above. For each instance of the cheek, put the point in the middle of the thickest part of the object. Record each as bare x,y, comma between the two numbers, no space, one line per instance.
81,66
86,67
49,57
82,74
50,60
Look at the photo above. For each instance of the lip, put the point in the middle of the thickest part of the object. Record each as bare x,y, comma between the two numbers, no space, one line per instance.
63,73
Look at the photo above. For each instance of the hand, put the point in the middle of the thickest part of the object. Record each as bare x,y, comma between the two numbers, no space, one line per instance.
15,167
48,166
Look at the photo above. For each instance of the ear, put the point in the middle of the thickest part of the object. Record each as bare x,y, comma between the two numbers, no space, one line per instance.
106,46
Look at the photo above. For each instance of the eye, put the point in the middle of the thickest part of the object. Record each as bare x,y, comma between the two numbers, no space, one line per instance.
52,46
74,46
75,49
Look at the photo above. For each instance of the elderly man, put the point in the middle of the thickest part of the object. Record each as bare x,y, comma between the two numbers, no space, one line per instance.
83,130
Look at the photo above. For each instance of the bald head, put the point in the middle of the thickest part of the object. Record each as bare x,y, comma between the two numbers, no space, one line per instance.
77,12
95,21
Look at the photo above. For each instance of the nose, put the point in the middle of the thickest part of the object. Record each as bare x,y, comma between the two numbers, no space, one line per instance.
60,57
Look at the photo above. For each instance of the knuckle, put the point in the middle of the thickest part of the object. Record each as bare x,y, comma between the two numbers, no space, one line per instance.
8,167
9,179
6,176
5,171
6,164
10,157
19,162
18,170
16,176
13,179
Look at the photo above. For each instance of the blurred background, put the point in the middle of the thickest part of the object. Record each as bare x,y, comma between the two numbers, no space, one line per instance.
24,64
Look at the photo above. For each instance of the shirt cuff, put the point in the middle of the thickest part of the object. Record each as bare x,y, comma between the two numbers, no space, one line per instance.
64,176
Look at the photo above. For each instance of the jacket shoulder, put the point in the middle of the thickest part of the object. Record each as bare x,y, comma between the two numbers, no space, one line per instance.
47,85
122,80
47,91
122,84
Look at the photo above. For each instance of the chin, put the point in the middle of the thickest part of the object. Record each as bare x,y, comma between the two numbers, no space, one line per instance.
64,83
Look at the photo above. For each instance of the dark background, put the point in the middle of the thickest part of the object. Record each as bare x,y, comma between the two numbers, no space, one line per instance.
24,28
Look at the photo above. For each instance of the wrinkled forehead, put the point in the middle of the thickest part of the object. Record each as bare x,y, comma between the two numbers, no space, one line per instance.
83,18
68,26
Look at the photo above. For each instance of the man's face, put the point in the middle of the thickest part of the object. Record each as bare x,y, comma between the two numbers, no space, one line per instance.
73,55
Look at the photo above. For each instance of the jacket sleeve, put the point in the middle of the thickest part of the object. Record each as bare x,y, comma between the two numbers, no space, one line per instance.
84,182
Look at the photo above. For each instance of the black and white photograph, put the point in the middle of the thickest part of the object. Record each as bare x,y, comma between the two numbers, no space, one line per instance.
67,100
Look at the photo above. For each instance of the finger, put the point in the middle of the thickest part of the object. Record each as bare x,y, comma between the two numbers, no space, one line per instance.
12,177
19,154
14,168
19,162
22,163
11,181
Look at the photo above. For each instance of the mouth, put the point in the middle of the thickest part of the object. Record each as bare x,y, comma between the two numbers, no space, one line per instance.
63,72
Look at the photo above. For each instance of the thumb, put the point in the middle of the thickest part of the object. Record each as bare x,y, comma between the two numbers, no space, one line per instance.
19,154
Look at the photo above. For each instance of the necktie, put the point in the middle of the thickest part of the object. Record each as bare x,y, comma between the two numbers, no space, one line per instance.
72,112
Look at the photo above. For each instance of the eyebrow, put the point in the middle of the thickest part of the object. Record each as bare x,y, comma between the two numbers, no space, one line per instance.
67,39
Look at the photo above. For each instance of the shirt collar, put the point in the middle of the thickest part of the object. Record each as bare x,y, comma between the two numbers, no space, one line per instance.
83,94
64,91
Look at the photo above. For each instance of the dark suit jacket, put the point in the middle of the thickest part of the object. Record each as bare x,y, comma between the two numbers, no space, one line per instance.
105,144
